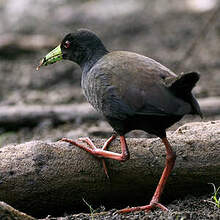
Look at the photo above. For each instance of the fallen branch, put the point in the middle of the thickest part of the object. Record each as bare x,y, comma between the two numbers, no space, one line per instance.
8,212
26,42
49,178
12,117
210,106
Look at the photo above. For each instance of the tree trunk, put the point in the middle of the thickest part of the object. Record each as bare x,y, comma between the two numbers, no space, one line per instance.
12,117
9,213
49,178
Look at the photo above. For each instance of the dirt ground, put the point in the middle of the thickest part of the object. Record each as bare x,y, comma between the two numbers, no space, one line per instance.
162,30
190,207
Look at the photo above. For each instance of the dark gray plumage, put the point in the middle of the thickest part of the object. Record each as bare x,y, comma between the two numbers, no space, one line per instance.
132,92
129,89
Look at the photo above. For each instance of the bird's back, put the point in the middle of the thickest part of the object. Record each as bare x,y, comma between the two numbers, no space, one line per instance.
124,85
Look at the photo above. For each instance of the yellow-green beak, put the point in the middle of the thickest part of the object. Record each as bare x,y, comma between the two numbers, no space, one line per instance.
52,57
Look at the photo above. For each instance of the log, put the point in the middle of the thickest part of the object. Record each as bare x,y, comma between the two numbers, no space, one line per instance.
41,178
8,212
210,106
14,117
21,42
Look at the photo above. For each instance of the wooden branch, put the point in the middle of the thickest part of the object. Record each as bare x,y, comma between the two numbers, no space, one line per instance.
8,212
210,106
12,117
49,178
26,42
21,115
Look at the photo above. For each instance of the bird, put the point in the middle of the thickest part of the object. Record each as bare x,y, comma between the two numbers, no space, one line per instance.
132,92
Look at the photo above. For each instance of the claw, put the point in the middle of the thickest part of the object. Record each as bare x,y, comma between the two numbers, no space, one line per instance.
105,169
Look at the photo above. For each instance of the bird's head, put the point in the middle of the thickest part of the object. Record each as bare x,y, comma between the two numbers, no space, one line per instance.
78,47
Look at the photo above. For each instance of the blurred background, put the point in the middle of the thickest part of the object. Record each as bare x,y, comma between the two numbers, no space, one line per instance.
164,30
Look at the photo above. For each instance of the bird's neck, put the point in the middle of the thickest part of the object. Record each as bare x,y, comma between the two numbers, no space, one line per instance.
89,61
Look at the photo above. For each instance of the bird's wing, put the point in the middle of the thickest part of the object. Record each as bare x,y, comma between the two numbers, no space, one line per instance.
155,100
137,87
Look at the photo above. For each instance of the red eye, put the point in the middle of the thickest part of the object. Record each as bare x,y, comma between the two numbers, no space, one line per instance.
66,44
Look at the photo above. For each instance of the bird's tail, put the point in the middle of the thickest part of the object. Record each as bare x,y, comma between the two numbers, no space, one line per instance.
182,88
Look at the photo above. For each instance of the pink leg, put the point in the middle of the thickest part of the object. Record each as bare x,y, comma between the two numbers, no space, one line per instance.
170,161
91,144
105,146
103,153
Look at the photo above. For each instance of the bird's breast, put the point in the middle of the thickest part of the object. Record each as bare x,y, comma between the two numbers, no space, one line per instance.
94,87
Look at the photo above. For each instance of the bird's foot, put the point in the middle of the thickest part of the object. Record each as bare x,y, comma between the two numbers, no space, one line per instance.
92,149
88,141
91,144
146,208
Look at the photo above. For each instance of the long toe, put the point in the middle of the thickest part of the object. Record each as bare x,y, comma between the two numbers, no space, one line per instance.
67,140
74,143
99,152
146,208
88,141
91,148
